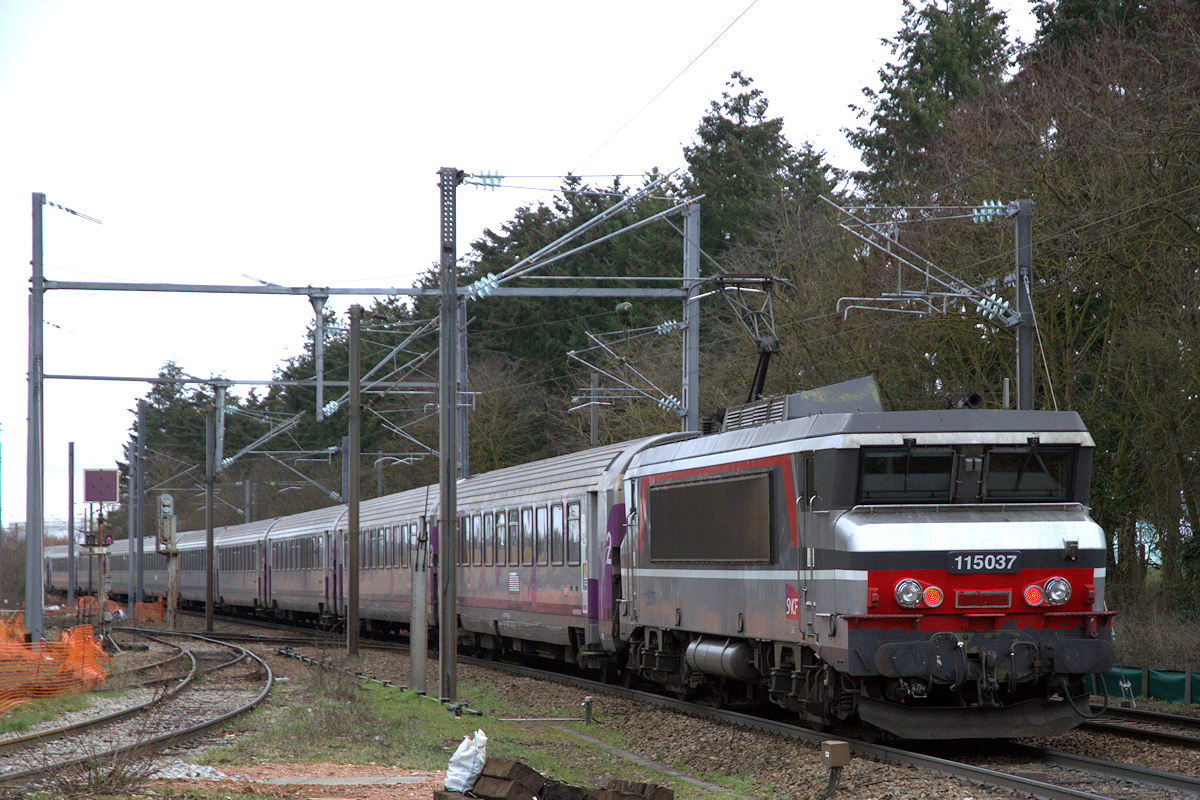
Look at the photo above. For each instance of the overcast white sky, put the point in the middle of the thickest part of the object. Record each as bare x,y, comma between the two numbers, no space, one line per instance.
299,142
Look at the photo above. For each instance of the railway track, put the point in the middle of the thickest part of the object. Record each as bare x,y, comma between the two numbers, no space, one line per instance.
235,680
1033,771
1149,726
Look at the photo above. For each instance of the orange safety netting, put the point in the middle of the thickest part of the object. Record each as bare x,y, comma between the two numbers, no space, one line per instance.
73,663
148,612
88,603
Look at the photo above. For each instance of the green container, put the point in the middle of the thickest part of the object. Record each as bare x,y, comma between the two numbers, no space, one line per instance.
1167,685
1112,680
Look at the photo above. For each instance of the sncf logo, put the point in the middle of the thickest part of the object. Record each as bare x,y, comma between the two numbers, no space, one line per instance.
791,604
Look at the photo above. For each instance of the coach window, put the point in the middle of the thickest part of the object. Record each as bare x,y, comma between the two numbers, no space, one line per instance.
573,522
556,534
463,539
402,545
501,539
489,538
476,541
514,538
527,536
543,551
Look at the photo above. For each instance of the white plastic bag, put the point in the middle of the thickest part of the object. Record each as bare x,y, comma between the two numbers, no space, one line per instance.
467,763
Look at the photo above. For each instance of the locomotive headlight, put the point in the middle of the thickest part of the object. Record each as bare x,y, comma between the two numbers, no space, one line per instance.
1058,591
908,593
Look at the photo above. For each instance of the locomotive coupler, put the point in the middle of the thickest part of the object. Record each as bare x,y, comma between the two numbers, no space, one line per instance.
987,685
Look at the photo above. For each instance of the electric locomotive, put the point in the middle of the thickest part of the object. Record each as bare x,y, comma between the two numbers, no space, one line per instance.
934,574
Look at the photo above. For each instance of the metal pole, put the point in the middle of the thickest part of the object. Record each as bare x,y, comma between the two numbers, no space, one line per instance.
345,498
460,404
354,418
594,411
318,303
1025,305
70,525
379,477
246,516
139,505
209,550
34,588
448,445
691,317
172,575
219,391
418,634
130,486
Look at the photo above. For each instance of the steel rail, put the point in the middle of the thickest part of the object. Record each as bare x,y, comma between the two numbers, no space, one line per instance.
63,730
1143,734
125,673
1141,715
1128,772
171,737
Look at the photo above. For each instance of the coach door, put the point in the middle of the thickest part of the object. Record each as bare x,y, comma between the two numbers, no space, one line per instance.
805,500
625,555
264,574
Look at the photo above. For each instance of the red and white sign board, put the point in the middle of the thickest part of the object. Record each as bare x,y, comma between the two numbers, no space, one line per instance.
100,486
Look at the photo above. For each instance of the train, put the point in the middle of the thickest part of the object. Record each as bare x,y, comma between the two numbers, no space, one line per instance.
933,574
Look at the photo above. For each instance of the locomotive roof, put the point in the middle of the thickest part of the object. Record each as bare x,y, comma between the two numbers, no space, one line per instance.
968,423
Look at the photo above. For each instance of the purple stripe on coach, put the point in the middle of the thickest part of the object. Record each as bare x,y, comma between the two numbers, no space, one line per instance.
616,534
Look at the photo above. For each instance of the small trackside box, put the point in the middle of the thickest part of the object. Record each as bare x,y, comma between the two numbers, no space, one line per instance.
835,753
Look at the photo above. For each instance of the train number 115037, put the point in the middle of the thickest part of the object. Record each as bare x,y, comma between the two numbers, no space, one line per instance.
983,562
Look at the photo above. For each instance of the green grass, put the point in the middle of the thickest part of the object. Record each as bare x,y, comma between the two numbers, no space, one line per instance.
26,715
333,717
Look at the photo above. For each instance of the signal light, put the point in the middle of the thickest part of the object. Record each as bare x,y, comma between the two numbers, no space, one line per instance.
932,596
1033,595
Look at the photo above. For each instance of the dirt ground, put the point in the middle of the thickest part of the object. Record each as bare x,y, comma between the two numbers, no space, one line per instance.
253,781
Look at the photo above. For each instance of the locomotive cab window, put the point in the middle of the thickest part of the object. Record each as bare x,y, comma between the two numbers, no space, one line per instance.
1030,474
906,474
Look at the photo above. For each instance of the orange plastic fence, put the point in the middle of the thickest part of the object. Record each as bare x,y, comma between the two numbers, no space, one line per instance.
148,612
88,603
73,663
